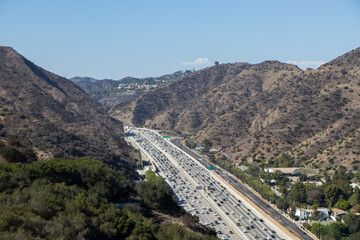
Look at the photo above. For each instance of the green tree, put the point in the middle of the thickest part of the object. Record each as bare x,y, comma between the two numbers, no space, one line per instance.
355,197
352,221
282,204
155,194
207,145
332,194
297,193
314,196
342,204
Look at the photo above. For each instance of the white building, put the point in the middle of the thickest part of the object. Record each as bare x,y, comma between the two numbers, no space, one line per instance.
285,171
304,214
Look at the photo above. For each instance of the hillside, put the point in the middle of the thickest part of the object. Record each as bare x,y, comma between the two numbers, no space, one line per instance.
256,112
110,92
44,116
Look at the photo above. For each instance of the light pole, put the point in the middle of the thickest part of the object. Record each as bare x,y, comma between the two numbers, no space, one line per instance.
319,227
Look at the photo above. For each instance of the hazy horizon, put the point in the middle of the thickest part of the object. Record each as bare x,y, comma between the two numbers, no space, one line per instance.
149,39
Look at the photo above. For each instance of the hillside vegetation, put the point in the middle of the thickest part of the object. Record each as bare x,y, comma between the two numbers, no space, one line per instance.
257,112
110,93
75,199
43,115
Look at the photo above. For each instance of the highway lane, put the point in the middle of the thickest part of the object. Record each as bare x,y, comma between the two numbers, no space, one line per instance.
236,216
285,222
186,190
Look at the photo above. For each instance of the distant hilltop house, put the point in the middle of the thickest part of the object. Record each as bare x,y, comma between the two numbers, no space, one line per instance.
284,171
150,86
121,85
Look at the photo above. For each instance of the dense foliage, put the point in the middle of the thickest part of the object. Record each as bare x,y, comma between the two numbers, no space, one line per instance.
155,193
336,192
74,199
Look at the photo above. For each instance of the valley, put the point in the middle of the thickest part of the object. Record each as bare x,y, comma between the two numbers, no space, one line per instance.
200,192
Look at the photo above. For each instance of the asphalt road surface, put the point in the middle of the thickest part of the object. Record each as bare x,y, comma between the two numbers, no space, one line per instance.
273,213
201,193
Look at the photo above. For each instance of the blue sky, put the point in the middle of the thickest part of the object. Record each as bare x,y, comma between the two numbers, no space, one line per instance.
115,39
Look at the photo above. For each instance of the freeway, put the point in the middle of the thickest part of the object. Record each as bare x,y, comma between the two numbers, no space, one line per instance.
273,213
202,194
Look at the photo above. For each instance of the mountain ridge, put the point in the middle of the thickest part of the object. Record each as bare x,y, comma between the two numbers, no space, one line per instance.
54,116
109,92
260,111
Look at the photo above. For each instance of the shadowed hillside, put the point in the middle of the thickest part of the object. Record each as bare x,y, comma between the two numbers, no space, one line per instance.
48,116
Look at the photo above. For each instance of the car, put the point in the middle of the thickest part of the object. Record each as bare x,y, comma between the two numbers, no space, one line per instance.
248,228
273,236
224,238
232,212
256,236
215,214
238,224
219,218
230,232
245,231
227,213
272,231
261,220
264,228
219,232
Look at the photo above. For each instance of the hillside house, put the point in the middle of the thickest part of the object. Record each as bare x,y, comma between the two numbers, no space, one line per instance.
306,213
355,185
285,171
337,213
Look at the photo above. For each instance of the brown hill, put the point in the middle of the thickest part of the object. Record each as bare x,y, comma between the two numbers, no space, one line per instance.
256,112
47,114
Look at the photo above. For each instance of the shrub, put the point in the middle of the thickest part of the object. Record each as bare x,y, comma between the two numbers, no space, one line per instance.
12,155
